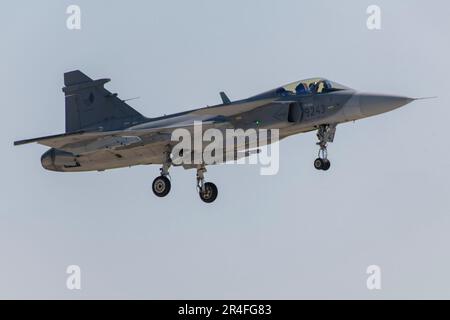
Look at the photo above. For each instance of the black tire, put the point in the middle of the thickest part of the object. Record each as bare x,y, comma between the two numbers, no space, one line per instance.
210,193
319,164
161,186
326,165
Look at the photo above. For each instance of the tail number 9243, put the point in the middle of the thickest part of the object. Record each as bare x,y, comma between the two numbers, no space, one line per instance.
312,111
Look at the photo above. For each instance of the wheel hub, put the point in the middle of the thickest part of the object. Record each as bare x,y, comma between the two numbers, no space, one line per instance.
207,193
160,186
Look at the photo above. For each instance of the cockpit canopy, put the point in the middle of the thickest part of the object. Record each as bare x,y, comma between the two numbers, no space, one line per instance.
305,87
311,86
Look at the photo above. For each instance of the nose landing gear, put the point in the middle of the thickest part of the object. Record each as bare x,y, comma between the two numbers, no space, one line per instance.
325,134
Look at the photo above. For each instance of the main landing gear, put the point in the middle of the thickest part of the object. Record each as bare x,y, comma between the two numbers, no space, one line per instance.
207,190
325,134
161,185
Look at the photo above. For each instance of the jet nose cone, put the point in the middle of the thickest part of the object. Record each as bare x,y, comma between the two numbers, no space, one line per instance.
373,104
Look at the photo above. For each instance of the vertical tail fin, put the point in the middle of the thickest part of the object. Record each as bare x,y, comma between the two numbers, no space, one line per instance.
89,106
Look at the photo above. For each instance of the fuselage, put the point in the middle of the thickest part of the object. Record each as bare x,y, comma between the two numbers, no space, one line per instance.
288,110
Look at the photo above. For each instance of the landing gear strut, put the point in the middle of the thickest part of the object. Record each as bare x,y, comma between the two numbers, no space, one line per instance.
207,190
161,185
325,134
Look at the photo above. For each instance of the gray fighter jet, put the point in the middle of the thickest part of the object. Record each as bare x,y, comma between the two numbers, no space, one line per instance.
104,132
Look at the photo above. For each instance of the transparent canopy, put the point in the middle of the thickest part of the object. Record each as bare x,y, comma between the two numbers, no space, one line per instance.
310,86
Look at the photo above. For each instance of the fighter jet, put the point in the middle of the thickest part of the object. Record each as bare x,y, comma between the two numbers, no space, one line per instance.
103,132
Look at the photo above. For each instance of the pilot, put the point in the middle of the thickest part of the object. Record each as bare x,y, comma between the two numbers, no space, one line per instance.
302,89
313,87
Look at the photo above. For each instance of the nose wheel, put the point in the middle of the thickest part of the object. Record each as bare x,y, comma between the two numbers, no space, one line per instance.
322,164
325,134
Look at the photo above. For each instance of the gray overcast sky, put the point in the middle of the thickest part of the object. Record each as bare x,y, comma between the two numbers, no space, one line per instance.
299,234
